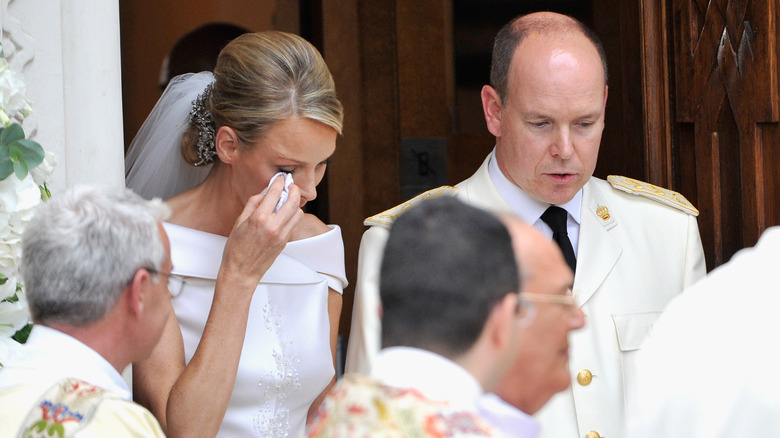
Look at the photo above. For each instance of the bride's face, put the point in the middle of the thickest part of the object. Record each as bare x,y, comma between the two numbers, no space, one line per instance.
298,146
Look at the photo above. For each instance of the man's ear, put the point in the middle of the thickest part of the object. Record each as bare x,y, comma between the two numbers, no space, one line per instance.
227,144
491,106
502,322
135,292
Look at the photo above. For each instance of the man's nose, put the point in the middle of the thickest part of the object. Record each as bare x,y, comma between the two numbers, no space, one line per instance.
562,146
577,320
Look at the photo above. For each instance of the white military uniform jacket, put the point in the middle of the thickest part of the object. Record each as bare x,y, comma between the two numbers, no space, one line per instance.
634,255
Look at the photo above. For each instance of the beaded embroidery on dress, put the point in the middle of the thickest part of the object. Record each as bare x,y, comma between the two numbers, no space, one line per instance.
279,382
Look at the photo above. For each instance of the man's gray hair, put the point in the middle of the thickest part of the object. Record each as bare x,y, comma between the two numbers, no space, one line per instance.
83,247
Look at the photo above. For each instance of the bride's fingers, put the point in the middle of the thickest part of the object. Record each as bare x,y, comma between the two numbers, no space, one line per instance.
291,212
264,202
273,193
293,201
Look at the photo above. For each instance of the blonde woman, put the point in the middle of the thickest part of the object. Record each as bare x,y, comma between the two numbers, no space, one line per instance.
245,355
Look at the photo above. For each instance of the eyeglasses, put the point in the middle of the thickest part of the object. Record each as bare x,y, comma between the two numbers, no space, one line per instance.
569,300
175,282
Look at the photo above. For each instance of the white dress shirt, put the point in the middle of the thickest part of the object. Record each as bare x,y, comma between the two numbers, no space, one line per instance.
52,356
436,377
530,210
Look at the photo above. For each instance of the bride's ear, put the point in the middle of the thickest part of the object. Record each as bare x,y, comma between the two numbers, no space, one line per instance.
227,144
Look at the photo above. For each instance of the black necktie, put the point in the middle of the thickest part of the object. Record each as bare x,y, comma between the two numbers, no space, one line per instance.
555,217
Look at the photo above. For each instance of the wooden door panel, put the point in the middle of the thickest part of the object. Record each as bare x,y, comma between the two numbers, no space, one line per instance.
726,82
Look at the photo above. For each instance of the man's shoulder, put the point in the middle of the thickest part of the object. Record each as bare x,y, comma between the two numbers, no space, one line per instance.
386,218
639,193
72,405
359,403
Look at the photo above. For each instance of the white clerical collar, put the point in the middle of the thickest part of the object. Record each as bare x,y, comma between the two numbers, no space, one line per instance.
50,350
530,209
436,377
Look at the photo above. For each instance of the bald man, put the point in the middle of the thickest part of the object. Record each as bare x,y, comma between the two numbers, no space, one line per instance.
633,246
541,368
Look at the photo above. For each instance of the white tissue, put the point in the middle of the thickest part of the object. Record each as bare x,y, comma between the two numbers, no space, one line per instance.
288,179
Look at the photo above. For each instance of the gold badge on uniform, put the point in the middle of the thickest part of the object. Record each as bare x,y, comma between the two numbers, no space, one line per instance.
603,212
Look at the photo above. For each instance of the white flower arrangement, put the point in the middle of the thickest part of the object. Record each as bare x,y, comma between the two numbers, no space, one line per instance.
24,167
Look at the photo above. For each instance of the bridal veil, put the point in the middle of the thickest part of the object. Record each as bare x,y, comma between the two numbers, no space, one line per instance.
154,166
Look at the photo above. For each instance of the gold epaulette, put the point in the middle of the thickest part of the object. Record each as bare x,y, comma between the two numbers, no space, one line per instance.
387,217
660,194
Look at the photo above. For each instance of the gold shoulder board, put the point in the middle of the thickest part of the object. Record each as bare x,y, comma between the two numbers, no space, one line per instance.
660,194
387,217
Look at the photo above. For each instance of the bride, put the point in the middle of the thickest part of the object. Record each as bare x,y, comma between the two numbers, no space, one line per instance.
251,348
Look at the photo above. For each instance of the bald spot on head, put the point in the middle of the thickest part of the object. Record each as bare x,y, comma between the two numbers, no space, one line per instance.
545,24
540,369
534,252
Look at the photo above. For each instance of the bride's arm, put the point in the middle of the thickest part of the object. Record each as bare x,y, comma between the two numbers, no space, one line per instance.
334,315
154,376
191,400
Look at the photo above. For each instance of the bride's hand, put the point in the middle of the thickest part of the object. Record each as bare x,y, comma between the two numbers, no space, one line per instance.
259,235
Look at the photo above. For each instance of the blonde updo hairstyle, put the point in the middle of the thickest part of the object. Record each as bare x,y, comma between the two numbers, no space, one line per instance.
263,78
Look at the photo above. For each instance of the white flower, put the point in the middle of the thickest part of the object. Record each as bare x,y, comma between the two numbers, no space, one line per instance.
18,195
18,199
7,290
13,316
12,89
44,170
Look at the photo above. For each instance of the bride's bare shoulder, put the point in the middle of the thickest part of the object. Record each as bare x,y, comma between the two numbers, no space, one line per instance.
309,226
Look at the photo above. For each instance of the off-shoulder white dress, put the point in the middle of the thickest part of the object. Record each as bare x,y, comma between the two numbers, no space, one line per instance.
286,359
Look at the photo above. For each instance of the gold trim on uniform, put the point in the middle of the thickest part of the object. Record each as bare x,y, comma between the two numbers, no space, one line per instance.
387,217
660,194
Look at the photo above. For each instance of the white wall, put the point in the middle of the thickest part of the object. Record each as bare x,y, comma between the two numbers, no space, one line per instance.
69,54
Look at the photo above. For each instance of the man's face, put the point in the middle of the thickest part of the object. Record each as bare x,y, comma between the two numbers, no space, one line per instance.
548,129
541,368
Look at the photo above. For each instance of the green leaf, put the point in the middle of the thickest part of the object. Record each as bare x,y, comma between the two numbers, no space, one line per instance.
20,166
23,333
17,154
6,168
11,134
20,169
32,152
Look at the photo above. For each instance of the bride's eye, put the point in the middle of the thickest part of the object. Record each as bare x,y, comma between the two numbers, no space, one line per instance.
290,171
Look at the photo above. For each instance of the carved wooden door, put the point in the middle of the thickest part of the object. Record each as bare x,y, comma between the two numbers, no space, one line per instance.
726,109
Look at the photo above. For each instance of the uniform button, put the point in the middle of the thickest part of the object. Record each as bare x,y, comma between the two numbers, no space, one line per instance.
584,378
593,434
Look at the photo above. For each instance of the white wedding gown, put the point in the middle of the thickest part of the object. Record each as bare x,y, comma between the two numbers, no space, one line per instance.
286,359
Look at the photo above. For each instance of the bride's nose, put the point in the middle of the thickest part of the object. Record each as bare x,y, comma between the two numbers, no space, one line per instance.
308,187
